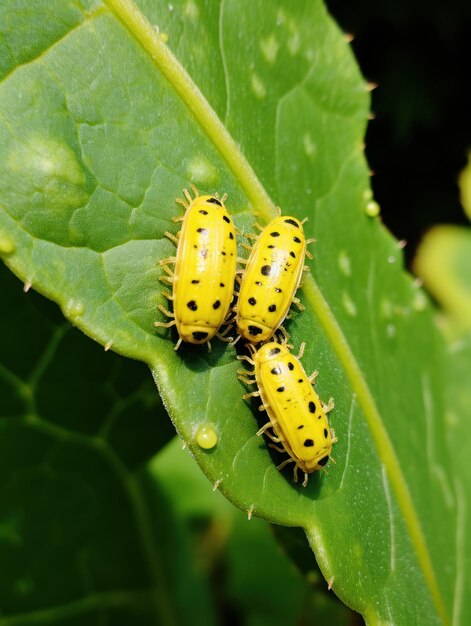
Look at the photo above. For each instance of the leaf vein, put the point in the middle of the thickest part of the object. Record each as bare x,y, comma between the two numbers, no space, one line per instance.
349,432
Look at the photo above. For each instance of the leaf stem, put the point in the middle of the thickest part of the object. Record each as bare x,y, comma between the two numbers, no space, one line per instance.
148,37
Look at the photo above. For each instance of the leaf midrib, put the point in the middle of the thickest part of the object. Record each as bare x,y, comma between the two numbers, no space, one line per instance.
147,37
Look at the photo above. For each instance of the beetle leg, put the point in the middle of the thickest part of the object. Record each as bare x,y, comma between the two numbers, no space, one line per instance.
250,236
252,394
299,304
171,236
167,280
285,462
328,407
178,344
242,357
264,428
165,324
247,381
165,312
274,438
301,350
167,270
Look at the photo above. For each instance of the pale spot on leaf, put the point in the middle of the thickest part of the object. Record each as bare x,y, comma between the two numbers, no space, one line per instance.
202,172
269,48
258,86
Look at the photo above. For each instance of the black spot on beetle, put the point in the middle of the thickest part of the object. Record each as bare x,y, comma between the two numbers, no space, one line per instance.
222,285
271,246
201,230
275,234
278,290
323,461
301,426
272,308
276,370
280,389
312,407
226,219
195,282
199,335
266,269
255,330
223,253
203,212
274,351
192,305
296,240
214,200
308,443
292,254
293,222
257,282
325,433
300,380
252,301
290,366
231,236
217,304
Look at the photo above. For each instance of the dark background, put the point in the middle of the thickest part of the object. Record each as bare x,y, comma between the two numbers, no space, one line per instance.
419,55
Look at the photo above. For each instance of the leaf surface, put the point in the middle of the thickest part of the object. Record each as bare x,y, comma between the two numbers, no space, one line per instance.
94,157
458,420
85,535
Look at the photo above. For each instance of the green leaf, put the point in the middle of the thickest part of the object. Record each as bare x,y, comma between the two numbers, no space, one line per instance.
249,570
101,128
87,523
85,534
458,422
443,262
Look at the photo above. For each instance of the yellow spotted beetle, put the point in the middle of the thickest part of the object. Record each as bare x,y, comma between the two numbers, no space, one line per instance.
204,269
271,278
297,416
